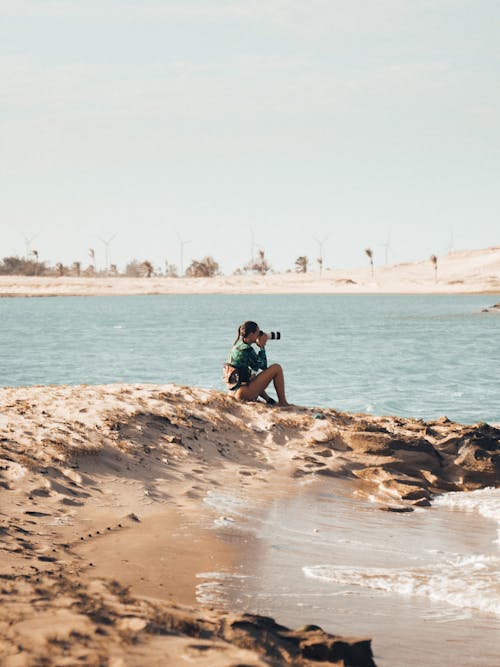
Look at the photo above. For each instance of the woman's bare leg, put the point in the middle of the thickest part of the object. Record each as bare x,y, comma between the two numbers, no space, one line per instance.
259,383
267,398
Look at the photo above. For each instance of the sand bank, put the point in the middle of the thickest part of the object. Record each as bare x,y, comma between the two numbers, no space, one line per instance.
93,478
466,272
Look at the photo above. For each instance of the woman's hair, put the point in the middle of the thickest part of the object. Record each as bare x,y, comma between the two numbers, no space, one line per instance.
245,329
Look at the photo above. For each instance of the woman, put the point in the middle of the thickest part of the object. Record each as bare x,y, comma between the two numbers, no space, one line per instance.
244,358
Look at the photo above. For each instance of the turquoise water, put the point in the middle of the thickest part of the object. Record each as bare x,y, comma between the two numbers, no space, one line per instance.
421,356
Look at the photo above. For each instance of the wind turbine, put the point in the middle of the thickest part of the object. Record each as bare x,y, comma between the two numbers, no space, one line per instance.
106,249
182,243
387,247
321,242
28,242
451,247
252,245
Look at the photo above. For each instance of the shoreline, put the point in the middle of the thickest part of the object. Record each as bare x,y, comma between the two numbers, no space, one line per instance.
467,272
191,292
85,467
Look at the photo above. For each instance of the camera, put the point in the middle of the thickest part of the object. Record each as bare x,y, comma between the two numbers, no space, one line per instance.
271,335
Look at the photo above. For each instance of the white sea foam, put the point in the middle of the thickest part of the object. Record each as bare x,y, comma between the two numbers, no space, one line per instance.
468,582
227,503
485,502
213,590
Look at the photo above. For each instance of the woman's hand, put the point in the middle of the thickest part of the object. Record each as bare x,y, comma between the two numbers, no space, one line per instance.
262,340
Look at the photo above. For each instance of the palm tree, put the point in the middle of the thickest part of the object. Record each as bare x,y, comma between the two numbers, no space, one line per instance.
35,255
369,253
92,257
301,264
148,267
262,264
434,261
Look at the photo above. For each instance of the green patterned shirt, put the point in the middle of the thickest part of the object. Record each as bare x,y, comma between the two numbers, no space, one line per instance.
246,360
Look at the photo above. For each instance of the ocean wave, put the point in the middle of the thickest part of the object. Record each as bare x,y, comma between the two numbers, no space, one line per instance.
485,502
213,590
468,582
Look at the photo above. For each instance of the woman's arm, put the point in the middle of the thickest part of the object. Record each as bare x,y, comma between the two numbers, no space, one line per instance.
257,362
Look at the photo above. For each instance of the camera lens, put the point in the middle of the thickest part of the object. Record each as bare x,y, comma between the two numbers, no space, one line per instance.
272,335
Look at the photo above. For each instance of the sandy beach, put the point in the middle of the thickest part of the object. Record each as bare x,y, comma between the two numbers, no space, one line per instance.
102,511
465,272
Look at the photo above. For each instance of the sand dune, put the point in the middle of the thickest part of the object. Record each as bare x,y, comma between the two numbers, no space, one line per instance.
470,271
90,477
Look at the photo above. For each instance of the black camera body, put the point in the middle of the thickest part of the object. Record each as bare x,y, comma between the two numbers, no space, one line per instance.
271,335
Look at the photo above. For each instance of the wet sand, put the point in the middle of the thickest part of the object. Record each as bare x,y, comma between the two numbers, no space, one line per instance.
249,552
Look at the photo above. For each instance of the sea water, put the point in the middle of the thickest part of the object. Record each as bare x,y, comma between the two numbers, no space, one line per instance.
424,585
420,356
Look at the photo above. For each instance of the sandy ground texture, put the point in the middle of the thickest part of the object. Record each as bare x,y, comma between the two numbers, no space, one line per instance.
99,471
470,271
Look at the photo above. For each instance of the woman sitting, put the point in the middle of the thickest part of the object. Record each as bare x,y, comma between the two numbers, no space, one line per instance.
246,360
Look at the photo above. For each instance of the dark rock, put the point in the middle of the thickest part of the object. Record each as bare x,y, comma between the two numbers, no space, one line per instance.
422,503
284,646
400,510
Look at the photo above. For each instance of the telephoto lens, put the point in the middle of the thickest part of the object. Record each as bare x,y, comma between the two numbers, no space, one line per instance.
272,335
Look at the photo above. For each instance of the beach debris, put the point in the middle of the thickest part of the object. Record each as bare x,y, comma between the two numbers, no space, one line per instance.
401,510
492,309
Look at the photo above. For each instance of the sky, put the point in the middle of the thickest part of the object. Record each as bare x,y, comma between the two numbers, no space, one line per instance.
228,127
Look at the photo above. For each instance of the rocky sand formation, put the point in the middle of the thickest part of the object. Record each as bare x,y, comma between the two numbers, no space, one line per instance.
78,464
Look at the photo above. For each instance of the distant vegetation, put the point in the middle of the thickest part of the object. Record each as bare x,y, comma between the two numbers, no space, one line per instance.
259,265
301,264
15,266
207,267
202,268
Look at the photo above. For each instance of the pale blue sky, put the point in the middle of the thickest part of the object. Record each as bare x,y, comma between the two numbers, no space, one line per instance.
356,121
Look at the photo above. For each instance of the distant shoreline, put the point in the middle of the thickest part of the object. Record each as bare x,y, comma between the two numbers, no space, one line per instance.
54,295
466,272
